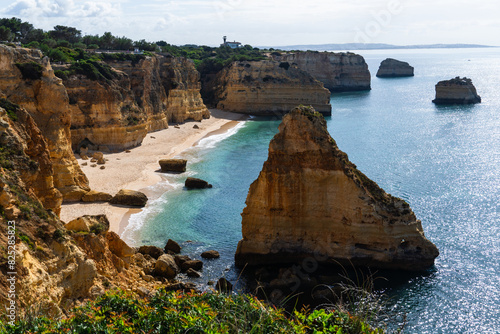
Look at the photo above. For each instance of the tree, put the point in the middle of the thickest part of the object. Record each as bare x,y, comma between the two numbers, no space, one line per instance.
123,43
70,34
5,34
106,41
34,35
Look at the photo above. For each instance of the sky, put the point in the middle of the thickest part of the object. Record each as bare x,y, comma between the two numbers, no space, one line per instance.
271,22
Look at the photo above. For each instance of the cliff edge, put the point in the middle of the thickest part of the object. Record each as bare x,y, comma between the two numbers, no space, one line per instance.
267,87
339,72
310,201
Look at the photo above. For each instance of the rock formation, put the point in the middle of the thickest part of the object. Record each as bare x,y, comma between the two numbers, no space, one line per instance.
392,68
339,72
143,96
267,87
194,183
129,198
173,165
28,80
456,91
310,201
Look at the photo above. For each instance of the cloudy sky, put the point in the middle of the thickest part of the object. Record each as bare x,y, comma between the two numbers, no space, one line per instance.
272,22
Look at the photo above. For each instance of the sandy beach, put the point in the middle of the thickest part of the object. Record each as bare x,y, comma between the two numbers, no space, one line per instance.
137,169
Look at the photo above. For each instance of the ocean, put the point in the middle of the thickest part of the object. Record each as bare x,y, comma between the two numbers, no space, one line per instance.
443,160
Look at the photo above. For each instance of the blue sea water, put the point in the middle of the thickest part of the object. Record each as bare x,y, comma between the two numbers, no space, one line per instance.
445,161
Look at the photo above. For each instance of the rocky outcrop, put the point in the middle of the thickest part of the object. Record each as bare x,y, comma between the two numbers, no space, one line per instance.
194,183
28,80
339,72
129,198
456,91
173,165
310,201
143,96
392,68
267,87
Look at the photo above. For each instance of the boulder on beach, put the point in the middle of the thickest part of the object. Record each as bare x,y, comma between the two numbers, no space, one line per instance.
194,183
130,198
165,267
96,196
392,68
456,91
173,165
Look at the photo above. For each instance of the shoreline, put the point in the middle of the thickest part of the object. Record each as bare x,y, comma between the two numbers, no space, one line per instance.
137,170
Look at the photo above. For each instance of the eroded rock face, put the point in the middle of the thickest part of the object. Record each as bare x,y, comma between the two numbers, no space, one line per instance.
392,68
310,201
144,96
339,72
28,80
456,91
265,87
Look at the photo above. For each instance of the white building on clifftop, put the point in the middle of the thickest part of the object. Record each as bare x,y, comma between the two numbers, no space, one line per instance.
232,45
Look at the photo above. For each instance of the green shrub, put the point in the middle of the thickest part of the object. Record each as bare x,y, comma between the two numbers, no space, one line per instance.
59,235
176,312
93,70
10,107
97,228
31,70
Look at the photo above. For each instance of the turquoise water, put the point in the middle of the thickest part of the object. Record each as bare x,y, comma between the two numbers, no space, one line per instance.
445,161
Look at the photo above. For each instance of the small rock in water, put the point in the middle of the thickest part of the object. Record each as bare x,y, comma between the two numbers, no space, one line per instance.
193,273
211,254
172,246
194,183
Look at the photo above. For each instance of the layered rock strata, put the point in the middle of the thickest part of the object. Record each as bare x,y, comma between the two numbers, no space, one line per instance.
339,72
310,201
143,96
27,79
456,91
267,88
392,68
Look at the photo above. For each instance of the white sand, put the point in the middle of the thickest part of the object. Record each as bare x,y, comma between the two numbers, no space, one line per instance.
137,170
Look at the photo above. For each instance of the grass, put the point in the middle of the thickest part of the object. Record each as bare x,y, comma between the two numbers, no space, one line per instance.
176,312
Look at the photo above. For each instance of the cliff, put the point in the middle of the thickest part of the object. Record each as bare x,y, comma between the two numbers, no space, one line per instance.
310,201
392,68
267,87
28,80
456,91
339,72
143,96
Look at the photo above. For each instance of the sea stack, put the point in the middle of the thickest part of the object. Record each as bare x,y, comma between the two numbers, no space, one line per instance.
310,201
456,91
392,68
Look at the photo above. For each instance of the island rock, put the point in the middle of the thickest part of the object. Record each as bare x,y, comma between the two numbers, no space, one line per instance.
456,91
194,183
267,87
392,68
338,71
310,201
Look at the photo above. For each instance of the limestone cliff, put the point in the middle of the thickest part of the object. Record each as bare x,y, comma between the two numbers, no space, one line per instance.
310,201
339,72
143,96
456,91
266,87
28,80
392,68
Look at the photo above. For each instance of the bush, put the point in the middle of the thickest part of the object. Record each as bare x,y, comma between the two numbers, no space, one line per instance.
10,107
176,312
31,70
93,70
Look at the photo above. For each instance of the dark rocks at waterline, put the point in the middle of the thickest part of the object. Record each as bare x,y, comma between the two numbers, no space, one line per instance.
130,198
153,251
211,254
192,264
166,267
173,165
456,91
223,285
193,273
172,246
180,259
194,183
392,68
